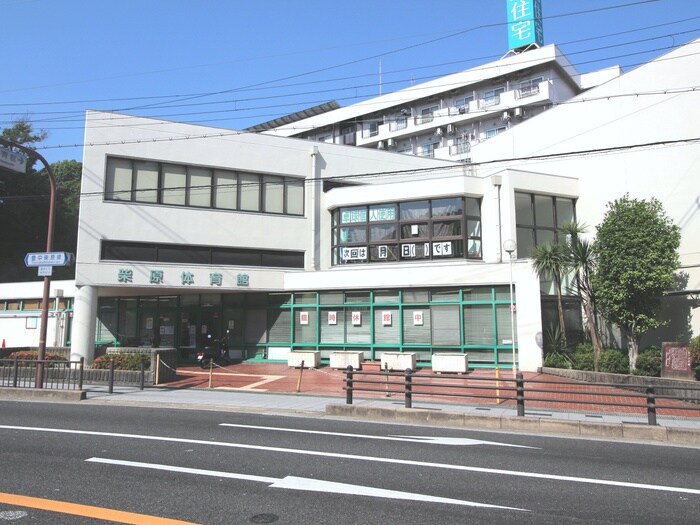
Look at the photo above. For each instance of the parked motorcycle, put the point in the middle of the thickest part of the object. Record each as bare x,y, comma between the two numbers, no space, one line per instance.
214,353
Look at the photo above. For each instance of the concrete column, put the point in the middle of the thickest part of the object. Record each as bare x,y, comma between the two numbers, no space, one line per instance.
84,319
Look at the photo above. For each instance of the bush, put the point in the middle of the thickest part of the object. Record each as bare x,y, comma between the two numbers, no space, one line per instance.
614,362
583,357
33,356
557,360
695,355
130,361
649,362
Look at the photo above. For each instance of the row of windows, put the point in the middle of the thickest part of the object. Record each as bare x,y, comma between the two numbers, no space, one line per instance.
15,305
476,320
193,186
188,254
425,229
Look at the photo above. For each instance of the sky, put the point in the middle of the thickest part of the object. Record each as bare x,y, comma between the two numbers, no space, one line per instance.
234,63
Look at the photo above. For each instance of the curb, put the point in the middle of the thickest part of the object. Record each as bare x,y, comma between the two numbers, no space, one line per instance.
631,431
41,394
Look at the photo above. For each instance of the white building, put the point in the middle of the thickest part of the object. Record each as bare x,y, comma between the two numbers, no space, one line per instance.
446,117
20,313
187,232
279,243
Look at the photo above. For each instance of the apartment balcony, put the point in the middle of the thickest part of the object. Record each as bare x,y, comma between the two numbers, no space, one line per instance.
395,128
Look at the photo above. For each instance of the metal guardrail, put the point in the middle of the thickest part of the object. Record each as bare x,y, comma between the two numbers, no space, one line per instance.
518,389
57,375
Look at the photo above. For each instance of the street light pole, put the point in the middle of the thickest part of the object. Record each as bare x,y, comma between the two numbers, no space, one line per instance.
49,247
509,246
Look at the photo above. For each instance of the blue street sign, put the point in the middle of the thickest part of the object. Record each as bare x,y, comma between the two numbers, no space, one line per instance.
48,259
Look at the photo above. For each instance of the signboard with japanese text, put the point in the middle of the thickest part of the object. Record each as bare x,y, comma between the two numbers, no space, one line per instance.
303,317
332,317
353,215
32,260
418,318
676,361
12,160
358,253
524,23
386,318
356,318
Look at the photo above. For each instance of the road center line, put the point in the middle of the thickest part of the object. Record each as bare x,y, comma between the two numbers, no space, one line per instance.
464,468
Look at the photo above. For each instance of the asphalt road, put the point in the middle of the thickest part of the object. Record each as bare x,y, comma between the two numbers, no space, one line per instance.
208,467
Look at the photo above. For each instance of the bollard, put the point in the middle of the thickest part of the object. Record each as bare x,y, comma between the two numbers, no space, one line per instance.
143,375
81,367
301,372
15,371
520,393
386,386
348,385
651,405
111,376
211,372
408,396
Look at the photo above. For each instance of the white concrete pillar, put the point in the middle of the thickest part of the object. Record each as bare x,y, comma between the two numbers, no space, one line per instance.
84,319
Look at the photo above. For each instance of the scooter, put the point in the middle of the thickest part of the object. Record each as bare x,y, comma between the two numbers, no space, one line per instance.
214,353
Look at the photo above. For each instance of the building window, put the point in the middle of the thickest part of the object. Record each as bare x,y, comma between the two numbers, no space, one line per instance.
529,88
462,104
192,186
188,254
413,230
427,114
428,150
492,97
494,131
539,218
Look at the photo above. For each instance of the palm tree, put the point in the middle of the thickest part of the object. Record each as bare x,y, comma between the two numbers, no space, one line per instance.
583,265
551,261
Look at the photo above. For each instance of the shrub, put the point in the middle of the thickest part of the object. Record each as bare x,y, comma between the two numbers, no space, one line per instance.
130,361
695,355
583,357
33,355
614,362
649,362
557,360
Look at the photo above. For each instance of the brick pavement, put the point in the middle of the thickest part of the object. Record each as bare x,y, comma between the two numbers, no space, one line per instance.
481,387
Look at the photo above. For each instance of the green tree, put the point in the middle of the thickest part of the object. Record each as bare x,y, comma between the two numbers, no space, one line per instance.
583,262
22,132
24,205
636,248
551,261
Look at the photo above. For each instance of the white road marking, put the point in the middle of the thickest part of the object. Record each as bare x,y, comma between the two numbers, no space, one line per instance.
308,484
411,439
463,468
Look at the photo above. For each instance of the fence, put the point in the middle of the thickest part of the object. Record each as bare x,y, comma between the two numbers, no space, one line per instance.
518,390
57,375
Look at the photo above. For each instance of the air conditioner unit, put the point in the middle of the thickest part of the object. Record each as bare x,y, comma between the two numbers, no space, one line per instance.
505,116
390,143
438,132
518,112
462,109
450,129
380,144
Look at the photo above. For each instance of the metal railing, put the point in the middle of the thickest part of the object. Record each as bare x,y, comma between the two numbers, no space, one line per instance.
57,375
518,390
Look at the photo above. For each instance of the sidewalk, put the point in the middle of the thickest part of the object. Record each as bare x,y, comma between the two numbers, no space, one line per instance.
276,388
